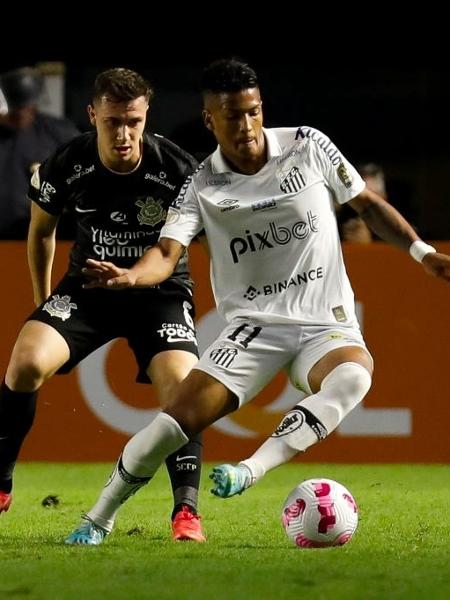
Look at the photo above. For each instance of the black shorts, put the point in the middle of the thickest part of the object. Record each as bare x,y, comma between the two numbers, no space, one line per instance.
152,320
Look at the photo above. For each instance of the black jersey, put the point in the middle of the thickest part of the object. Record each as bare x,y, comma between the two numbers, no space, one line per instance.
118,216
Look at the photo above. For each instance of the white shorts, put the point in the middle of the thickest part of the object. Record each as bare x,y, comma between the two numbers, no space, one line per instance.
249,353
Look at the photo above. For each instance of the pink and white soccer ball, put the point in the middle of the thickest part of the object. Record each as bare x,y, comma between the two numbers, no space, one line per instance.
319,513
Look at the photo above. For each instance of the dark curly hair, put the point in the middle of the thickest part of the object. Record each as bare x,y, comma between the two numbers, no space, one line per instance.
228,75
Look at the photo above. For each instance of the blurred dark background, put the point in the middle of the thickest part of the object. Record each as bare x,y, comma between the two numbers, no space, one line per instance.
394,114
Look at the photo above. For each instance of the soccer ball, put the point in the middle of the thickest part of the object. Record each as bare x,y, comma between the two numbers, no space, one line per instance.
319,513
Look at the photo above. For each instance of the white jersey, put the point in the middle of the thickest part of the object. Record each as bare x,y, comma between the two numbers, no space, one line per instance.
273,237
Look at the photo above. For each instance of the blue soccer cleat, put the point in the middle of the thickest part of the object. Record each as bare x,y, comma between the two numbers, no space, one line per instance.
87,533
230,480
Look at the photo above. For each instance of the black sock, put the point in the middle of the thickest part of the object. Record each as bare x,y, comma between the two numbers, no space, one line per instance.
184,467
17,411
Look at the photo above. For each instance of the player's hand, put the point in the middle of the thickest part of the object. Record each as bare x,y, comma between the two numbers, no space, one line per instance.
101,274
437,264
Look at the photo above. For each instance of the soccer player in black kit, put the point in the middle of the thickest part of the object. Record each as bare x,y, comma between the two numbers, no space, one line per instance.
119,182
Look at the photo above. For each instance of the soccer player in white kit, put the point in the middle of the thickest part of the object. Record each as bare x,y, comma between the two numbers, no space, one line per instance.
264,200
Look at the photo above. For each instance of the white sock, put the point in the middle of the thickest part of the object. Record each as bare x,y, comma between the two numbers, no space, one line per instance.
272,453
312,419
140,460
148,448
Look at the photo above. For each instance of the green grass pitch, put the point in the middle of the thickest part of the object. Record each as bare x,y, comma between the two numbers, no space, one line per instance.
401,549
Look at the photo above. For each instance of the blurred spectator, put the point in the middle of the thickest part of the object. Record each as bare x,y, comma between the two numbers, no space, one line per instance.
27,137
351,227
373,175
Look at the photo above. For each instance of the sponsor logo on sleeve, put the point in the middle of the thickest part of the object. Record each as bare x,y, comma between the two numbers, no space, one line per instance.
47,191
324,143
344,175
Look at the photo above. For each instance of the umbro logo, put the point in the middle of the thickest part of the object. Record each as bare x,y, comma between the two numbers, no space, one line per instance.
228,201
228,204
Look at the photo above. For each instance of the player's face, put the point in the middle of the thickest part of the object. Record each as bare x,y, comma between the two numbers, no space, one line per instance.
120,126
236,120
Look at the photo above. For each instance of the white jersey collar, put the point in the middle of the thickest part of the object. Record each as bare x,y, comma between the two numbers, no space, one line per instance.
220,165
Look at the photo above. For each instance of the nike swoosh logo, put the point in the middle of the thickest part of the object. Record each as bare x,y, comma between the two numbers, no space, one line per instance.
85,210
178,458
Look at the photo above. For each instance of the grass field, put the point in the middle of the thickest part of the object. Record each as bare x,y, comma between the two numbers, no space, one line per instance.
400,550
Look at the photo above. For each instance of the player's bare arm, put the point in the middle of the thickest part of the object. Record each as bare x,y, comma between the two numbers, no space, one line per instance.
41,251
155,266
384,220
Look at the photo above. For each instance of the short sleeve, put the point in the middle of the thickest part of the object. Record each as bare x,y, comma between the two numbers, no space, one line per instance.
48,188
339,174
184,220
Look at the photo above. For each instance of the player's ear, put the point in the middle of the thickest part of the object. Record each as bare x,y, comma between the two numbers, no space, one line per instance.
91,113
207,119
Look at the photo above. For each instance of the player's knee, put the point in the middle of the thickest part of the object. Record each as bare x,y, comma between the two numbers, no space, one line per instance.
341,390
25,371
349,383
187,418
